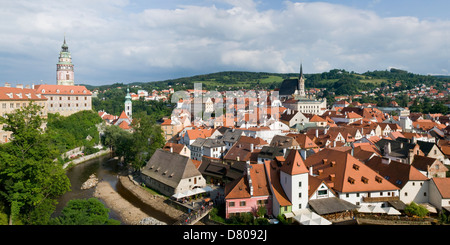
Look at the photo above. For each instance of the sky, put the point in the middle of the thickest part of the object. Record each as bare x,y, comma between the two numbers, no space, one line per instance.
151,40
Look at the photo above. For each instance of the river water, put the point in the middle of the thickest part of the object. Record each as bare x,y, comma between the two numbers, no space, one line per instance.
106,169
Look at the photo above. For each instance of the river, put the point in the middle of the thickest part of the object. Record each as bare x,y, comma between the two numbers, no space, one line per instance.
106,169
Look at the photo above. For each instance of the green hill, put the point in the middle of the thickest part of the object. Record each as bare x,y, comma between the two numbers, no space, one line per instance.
336,80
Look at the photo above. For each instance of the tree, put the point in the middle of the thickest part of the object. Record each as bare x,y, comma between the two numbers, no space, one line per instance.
415,209
84,212
147,137
30,182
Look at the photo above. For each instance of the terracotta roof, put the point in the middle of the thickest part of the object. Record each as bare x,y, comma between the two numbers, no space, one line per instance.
353,115
240,188
345,173
443,185
316,118
397,173
167,122
294,164
446,150
250,140
123,115
199,133
274,181
62,89
283,141
7,93
177,148
424,124
304,141
124,125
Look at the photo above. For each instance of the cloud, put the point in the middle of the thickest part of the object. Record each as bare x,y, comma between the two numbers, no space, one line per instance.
110,43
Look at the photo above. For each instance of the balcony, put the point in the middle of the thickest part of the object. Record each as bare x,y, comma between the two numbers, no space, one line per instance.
381,199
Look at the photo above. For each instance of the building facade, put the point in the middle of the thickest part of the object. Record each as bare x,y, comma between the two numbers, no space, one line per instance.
64,99
12,99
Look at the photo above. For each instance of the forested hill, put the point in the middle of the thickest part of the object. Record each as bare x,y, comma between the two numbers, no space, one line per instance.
336,80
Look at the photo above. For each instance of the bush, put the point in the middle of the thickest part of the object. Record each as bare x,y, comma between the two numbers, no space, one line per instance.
415,209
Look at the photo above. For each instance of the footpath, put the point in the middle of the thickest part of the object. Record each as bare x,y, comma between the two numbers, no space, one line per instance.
130,214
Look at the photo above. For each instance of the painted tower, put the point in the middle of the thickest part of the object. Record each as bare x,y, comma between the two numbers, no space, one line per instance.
128,104
64,68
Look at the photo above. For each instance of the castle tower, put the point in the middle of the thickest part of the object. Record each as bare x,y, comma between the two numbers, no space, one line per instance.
128,104
64,68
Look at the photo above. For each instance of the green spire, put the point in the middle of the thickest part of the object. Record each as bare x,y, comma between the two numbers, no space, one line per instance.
64,47
128,96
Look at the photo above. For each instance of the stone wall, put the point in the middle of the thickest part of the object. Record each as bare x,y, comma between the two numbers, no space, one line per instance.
86,158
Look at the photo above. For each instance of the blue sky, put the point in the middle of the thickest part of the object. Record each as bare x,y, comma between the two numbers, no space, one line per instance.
143,41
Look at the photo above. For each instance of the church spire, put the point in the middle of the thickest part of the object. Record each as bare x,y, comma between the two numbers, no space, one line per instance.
301,71
301,83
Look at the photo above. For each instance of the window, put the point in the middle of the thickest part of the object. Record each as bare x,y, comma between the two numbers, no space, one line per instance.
231,204
300,184
242,203
322,192
300,195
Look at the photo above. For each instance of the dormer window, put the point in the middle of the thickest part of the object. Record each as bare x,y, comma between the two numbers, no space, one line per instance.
351,180
364,180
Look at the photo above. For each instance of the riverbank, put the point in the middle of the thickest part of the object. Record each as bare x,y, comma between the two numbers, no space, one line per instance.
130,214
86,158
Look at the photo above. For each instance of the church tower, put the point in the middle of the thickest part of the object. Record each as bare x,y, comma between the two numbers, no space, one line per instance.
64,68
300,92
128,104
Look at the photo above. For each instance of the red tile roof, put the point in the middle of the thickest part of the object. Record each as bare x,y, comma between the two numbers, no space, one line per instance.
7,93
443,186
239,188
274,180
63,89
294,164
345,173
